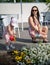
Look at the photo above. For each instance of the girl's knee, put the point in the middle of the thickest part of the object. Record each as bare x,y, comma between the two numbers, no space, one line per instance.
7,38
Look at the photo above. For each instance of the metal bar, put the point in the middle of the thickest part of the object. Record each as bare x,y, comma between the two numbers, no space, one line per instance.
21,13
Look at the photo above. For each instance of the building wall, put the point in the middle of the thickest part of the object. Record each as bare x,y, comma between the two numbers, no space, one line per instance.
14,9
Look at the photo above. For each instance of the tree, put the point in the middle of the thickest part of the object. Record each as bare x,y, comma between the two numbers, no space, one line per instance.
48,4
6,1
48,1
42,0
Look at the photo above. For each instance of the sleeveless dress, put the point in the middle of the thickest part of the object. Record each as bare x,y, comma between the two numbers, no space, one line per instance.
7,35
34,33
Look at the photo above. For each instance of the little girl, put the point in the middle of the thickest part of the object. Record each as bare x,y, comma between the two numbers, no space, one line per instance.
10,34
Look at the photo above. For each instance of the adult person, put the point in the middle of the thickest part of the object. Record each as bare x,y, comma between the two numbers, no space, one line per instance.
35,29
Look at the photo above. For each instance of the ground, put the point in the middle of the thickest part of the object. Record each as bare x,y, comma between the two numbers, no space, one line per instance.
24,40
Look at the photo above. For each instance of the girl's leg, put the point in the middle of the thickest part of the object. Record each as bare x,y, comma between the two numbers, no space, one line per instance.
7,41
11,42
12,46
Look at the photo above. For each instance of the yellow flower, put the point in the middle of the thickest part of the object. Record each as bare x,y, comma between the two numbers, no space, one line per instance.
16,52
23,54
28,60
18,58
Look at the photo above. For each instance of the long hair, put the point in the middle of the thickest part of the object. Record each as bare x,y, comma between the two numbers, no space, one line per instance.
37,12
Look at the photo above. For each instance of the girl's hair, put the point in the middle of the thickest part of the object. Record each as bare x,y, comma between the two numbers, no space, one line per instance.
37,12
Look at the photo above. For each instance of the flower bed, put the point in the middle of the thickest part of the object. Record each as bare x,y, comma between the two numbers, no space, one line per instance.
38,54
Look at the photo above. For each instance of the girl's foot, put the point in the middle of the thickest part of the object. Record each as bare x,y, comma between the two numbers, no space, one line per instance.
13,47
7,47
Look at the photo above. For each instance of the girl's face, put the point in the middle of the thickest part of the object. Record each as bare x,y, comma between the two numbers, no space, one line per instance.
34,10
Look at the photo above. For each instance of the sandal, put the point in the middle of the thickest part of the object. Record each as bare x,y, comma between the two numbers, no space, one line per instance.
34,41
45,41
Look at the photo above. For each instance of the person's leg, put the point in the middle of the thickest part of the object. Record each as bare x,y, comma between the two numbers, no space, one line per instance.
45,29
34,39
32,34
7,41
11,42
11,39
44,32
44,37
12,46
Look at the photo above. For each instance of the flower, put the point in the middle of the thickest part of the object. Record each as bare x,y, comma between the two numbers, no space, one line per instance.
18,58
23,54
38,54
16,52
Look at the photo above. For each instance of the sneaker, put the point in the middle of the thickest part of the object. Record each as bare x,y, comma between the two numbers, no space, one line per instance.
7,47
13,47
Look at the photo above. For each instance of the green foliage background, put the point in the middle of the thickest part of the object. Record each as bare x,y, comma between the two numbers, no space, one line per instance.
25,0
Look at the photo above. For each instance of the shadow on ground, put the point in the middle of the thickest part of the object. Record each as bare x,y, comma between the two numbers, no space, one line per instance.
17,46
24,40
28,40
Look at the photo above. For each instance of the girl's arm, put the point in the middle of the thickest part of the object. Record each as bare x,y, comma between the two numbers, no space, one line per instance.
9,30
14,33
